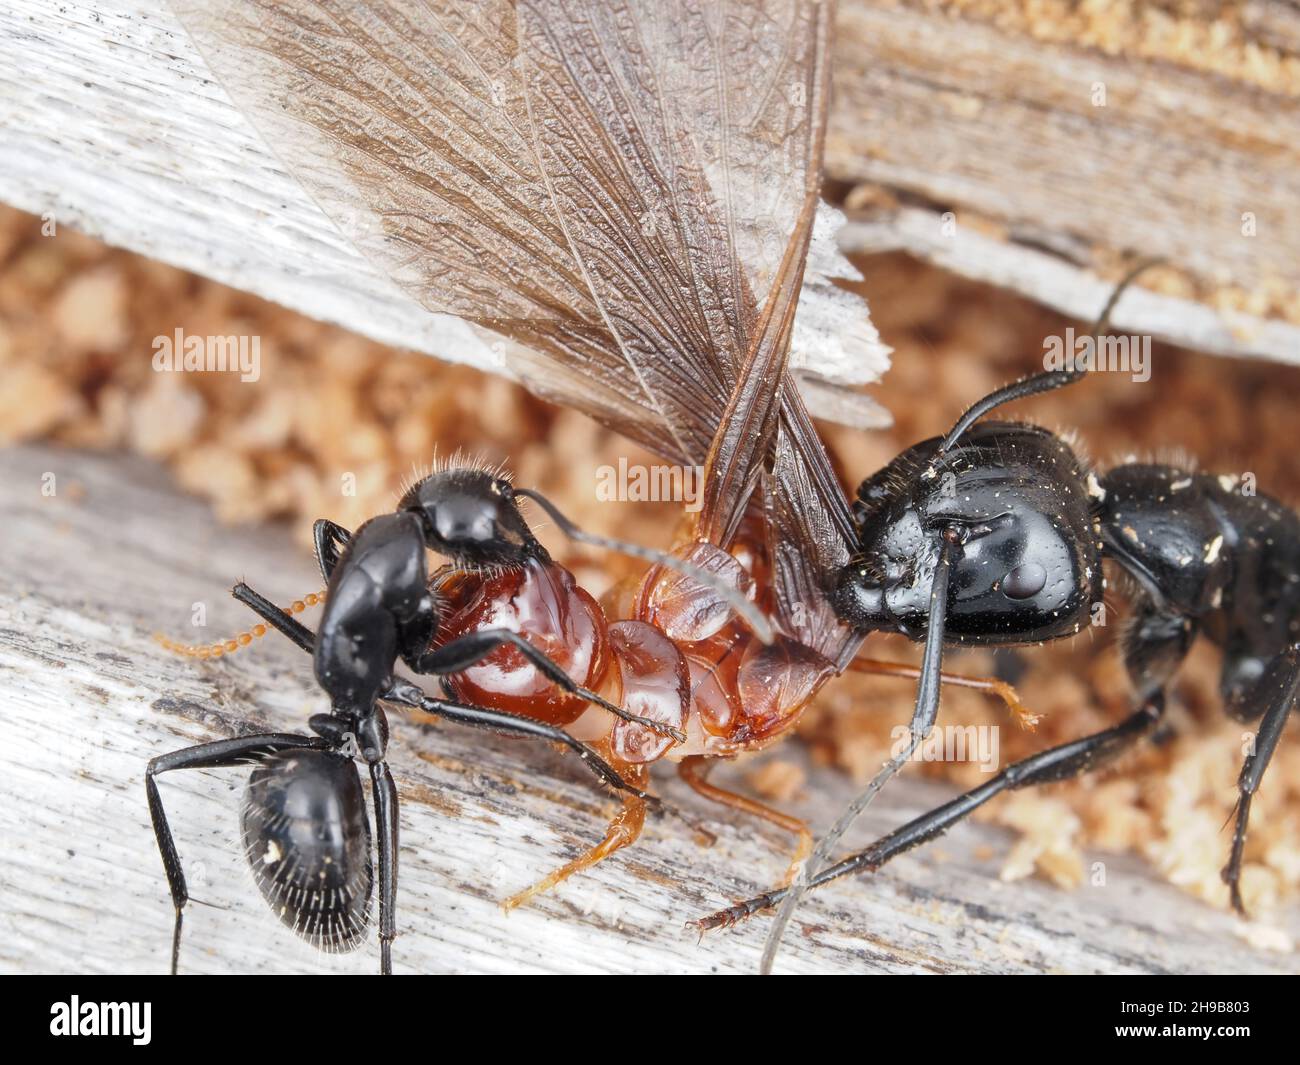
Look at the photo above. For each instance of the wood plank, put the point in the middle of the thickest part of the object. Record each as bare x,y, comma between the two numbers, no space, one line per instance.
87,699
110,122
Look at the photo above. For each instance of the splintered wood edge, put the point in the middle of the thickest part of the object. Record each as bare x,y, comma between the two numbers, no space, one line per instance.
110,124
116,553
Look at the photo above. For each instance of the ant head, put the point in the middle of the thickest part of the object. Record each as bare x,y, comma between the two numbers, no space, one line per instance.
1025,565
470,515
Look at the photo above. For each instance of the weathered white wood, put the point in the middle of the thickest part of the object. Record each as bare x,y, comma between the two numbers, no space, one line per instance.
1058,283
110,122
86,698
1076,147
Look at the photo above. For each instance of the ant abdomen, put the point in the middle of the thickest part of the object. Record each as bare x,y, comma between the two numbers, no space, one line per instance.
307,839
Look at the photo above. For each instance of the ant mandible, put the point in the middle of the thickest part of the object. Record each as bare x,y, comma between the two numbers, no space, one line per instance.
994,534
305,828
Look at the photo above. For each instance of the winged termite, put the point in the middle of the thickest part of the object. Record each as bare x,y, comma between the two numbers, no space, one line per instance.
626,195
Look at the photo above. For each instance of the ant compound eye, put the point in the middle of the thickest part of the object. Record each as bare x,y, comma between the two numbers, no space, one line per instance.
1025,581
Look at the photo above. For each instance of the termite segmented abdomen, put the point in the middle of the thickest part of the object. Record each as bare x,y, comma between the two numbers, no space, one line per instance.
543,603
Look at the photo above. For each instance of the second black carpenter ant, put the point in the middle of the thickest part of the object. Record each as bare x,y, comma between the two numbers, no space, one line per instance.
994,534
306,832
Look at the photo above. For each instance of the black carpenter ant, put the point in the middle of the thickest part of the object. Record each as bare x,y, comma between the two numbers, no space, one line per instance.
305,828
995,534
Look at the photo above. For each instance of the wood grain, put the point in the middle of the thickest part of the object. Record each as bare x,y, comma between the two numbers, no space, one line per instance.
110,121
87,698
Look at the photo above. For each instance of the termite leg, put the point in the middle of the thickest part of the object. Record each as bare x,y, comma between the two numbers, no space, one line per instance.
695,770
1023,716
624,830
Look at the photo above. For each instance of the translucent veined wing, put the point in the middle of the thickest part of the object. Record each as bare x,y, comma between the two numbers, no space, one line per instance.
406,120
677,141
623,193
810,534
682,145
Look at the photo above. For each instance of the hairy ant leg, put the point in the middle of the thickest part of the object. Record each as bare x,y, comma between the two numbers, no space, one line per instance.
1049,766
275,616
329,538
1155,646
1274,694
505,723
220,754
383,792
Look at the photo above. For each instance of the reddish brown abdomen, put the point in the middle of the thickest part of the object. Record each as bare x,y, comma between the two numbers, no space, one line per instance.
744,693
541,602
655,684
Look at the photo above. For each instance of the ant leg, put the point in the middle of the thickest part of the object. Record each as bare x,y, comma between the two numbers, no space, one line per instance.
473,647
1024,717
329,537
1276,689
277,617
402,691
384,794
695,772
1046,767
508,724
924,714
623,831
219,754
1154,647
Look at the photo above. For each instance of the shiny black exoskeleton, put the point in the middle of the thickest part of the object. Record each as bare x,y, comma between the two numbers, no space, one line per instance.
306,831
1029,564
307,839
995,534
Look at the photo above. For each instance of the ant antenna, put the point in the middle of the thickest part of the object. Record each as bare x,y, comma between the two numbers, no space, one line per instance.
234,643
1048,380
758,621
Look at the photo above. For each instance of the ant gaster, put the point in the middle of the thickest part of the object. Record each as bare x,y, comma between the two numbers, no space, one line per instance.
305,828
995,533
